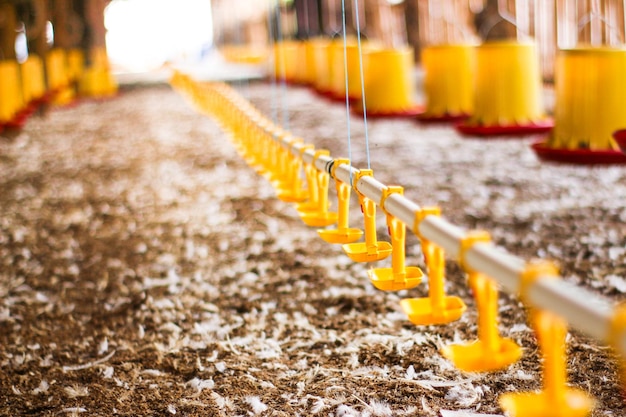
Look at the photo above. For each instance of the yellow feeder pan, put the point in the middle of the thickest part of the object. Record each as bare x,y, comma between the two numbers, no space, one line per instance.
320,217
389,83
244,54
556,399
291,191
322,64
448,82
33,81
61,91
301,72
286,60
11,102
437,308
339,61
343,233
490,352
508,92
372,249
398,277
590,106
75,64
97,81
310,68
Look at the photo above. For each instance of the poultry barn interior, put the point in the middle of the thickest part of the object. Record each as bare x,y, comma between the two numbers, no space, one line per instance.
313,207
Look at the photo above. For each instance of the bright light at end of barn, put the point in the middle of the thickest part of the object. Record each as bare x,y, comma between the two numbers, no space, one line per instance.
142,35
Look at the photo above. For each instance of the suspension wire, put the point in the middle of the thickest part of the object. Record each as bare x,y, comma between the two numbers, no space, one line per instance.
345,69
283,70
358,37
241,83
272,64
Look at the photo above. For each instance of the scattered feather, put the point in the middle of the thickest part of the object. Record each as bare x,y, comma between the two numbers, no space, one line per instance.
256,404
42,388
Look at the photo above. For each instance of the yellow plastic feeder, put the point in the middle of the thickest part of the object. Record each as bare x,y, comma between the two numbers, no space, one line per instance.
310,74
97,81
372,249
339,61
447,35
448,82
389,83
58,79
11,101
437,308
286,60
590,106
590,91
33,80
490,352
322,64
343,233
398,277
508,92
556,399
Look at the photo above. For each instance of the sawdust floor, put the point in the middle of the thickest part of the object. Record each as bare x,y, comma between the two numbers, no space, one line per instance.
146,270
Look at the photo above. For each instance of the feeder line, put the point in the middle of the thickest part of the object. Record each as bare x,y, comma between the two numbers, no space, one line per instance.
583,310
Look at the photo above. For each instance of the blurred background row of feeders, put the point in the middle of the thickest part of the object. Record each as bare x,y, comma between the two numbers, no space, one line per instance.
51,52
489,66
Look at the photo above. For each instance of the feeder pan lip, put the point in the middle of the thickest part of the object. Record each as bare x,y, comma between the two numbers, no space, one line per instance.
428,118
341,98
542,126
578,156
620,139
411,112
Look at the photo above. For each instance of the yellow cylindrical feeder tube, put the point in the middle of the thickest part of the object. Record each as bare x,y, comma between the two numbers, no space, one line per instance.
10,94
322,65
388,79
448,79
590,98
508,84
590,88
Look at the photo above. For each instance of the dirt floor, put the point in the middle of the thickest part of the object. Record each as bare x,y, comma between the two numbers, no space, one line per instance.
147,271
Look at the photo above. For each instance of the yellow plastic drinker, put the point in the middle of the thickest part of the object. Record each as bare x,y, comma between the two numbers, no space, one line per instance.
311,203
490,352
589,104
319,216
437,308
322,64
280,164
556,399
398,277
343,233
33,81
389,84
292,191
448,81
508,91
372,249
10,94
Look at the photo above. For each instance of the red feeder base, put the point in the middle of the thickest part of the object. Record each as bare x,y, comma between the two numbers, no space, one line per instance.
400,114
441,118
620,138
468,129
578,156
